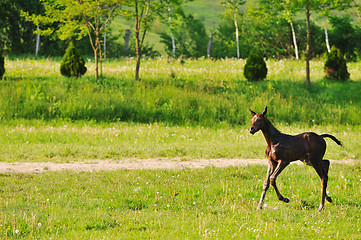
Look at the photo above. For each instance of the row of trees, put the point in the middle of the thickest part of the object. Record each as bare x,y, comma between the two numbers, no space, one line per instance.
335,66
270,26
76,19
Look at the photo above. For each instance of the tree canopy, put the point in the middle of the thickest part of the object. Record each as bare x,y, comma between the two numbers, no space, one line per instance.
144,13
277,29
75,19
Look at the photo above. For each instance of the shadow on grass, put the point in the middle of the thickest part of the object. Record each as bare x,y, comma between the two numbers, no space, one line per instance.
182,102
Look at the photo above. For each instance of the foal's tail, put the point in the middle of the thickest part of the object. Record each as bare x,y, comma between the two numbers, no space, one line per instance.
333,138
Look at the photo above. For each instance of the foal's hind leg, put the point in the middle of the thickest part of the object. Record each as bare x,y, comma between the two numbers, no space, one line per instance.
326,166
320,167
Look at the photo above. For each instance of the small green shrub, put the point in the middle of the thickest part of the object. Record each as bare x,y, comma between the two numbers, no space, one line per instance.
72,64
255,68
335,66
2,66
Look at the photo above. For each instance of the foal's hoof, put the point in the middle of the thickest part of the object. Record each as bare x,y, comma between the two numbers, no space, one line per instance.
329,199
286,200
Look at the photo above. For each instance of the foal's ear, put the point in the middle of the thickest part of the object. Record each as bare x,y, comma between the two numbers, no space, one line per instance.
253,113
264,111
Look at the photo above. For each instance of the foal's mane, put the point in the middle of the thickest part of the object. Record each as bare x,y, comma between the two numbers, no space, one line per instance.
272,130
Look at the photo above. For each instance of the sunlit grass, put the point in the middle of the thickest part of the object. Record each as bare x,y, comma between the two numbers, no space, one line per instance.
189,92
215,203
190,109
201,69
62,141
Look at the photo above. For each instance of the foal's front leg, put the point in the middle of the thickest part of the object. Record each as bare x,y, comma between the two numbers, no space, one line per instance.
266,184
280,167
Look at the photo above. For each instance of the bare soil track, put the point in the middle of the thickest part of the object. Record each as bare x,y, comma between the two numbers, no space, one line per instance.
156,163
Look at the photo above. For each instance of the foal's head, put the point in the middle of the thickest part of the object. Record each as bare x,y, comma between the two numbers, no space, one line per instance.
257,121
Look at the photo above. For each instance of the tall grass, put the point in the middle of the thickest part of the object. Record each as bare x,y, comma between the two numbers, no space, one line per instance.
210,203
63,141
168,115
201,92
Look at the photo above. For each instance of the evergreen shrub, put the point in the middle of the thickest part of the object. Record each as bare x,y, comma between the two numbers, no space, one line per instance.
255,68
2,66
72,64
335,66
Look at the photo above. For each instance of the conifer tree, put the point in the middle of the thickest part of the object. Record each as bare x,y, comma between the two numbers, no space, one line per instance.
335,66
2,66
72,64
255,68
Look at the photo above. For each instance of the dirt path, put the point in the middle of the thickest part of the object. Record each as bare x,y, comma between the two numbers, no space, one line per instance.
166,163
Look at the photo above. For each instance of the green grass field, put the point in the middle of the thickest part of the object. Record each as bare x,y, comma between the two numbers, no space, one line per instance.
210,203
198,92
195,109
59,141
198,109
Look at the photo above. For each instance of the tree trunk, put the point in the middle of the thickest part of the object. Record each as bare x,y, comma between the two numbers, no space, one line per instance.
99,50
210,43
308,51
171,34
294,40
137,41
173,44
96,64
326,38
126,42
100,60
37,47
105,42
140,19
236,25
137,67
138,53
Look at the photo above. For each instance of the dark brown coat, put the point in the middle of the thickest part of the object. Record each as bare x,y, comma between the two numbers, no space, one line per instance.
282,149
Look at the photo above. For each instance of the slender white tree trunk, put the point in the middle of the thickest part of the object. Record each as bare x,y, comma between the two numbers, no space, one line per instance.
210,43
105,42
171,33
308,47
37,47
173,44
294,40
326,38
236,25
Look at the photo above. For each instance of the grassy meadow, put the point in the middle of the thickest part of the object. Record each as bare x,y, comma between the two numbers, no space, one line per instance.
59,141
210,203
196,92
191,109
185,109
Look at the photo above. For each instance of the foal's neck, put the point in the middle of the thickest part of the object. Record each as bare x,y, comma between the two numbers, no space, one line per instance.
270,132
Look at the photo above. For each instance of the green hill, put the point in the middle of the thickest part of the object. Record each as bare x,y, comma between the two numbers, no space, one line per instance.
206,10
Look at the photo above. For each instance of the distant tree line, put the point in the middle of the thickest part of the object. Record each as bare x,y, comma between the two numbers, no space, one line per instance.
274,28
16,33
188,36
274,39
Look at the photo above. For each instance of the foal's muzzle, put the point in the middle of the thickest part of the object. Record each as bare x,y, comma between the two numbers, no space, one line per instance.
252,130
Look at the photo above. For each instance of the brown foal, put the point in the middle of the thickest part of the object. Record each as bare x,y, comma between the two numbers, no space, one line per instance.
282,149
